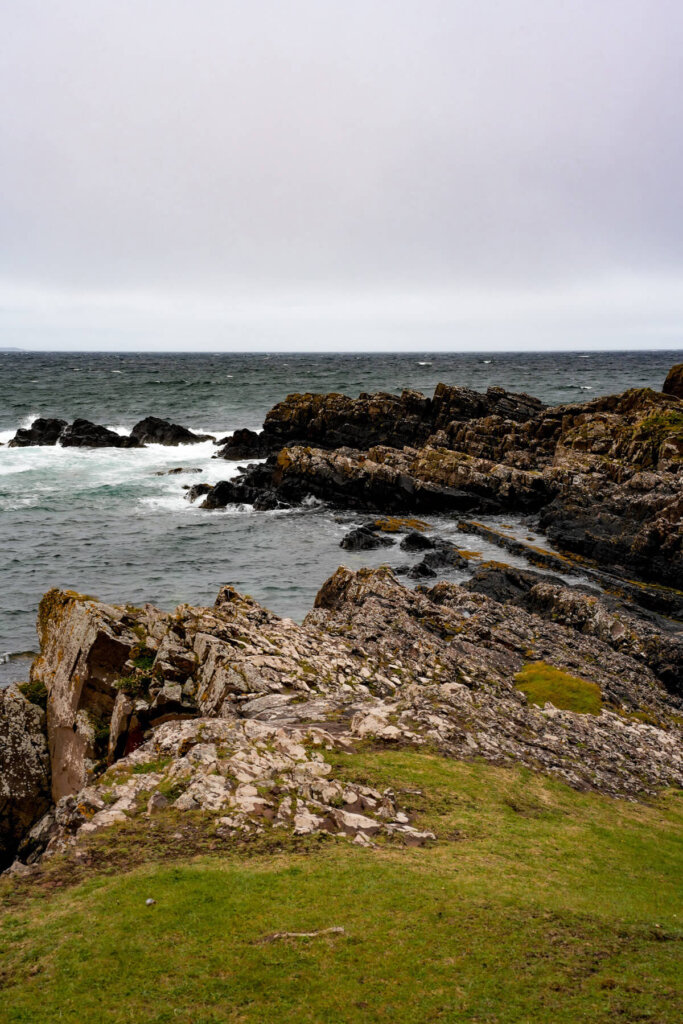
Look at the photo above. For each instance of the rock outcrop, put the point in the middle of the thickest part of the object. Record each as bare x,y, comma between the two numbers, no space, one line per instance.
647,637
604,477
153,430
41,432
229,710
246,444
673,385
84,434
24,770
335,420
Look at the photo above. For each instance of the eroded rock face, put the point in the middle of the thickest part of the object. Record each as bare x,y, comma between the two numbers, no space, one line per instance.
153,430
24,770
635,527
84,646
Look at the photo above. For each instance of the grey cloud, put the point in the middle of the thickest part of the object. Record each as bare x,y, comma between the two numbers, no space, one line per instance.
230,152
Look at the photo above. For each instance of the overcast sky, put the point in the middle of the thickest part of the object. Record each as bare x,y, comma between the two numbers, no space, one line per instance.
333,174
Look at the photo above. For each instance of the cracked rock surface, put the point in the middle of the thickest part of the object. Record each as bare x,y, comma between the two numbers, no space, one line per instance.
230,709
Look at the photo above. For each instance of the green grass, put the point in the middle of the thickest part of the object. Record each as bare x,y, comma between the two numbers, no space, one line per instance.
133,686
144,660
542,683
35,692
538,904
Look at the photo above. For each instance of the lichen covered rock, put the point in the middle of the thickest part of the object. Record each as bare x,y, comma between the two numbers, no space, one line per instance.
24,770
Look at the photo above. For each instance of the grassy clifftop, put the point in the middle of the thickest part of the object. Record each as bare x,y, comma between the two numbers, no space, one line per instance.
537,903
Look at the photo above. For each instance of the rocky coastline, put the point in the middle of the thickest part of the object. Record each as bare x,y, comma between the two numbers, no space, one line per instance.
228,711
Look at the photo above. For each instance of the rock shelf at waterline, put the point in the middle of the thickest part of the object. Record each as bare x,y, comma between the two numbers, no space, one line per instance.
604,478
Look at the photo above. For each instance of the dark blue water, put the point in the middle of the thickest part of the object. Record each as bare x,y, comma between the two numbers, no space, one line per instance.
103,521
212,390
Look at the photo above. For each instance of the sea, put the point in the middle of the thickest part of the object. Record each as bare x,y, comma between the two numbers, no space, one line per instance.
113,523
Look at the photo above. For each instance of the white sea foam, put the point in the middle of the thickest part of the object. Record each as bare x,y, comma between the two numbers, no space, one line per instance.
49,473
24,424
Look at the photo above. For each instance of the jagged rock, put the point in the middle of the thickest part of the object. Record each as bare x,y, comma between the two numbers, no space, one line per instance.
24,770
335,420
635,527
153,430
426,480
438,554
657,598
239,704
254,484
605,475
83,648
444,554
646,637
673,385
507,584
84,434
41,432
246,444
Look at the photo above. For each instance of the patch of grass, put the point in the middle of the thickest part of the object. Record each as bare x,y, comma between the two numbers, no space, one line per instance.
553,907
135,685
35,692
151,766
144,660
544,683
645,717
